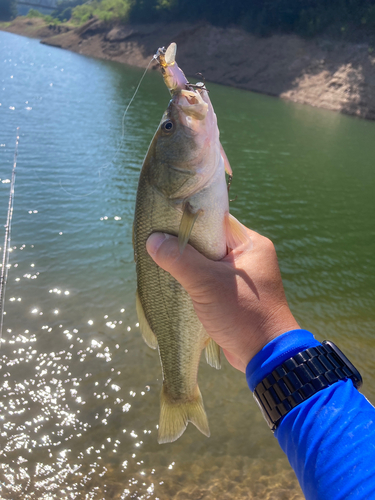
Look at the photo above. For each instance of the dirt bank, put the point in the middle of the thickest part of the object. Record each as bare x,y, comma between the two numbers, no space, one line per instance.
339,76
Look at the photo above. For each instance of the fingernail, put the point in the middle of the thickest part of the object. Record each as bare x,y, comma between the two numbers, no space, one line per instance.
154,241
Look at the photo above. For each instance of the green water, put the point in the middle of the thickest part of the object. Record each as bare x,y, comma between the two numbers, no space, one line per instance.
79,389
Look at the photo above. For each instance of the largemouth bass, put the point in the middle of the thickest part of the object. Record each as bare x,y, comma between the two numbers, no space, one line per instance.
182,191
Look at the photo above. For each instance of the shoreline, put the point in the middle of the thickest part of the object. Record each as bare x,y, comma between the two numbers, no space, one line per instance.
334,75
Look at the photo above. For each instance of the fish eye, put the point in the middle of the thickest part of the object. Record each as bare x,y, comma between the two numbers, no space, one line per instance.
168,126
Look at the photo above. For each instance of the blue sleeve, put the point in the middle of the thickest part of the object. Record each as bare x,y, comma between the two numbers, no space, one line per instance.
330,438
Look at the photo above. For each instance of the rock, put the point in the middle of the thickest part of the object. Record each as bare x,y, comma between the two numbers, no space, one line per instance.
93,27
120,33
59,28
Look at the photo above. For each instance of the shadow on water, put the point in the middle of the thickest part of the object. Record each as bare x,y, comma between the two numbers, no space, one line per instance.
79,390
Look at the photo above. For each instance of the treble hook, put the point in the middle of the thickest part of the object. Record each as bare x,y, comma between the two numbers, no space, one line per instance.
199,85
202,77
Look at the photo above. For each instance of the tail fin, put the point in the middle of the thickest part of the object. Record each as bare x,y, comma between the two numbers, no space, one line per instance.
174,416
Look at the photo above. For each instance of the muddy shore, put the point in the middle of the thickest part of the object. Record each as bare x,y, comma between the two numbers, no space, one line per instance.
338,76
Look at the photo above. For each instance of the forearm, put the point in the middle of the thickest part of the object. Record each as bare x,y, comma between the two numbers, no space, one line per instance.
330,438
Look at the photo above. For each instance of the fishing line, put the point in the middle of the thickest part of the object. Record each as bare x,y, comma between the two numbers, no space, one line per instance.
122,136
5,259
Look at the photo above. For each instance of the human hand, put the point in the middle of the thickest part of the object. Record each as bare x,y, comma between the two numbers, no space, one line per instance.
240,299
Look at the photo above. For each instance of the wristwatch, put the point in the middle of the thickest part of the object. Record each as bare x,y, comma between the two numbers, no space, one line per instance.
300,377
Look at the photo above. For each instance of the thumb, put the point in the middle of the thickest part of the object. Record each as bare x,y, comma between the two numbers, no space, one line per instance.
188,268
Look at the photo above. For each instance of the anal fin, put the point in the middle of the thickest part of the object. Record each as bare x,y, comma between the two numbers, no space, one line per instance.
147,334
212,353
175,415
236,233
186,225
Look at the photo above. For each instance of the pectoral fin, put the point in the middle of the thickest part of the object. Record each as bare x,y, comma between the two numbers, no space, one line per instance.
147,334
186,225
236,233
212,353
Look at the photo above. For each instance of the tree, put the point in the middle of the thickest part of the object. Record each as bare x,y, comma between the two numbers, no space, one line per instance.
8,9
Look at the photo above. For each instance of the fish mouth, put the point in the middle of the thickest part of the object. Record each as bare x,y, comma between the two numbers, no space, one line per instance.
190,102
187,108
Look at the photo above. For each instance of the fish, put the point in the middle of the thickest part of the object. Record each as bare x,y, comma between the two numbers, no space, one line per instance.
182,191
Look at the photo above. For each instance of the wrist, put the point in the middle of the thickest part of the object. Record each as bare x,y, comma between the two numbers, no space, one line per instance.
276,325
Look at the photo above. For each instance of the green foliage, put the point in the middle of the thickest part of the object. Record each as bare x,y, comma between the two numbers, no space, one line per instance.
64,8
47,18
144,11
114,9
106,10
262,17
34,13
8,10
65,15
304,17
83,13
51,20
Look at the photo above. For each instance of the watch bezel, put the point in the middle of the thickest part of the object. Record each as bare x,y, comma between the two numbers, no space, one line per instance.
357,379
266,417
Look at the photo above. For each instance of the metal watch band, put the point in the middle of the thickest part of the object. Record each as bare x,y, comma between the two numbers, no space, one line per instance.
300,377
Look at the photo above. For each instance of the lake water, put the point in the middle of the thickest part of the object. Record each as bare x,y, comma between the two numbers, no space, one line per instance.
79,390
